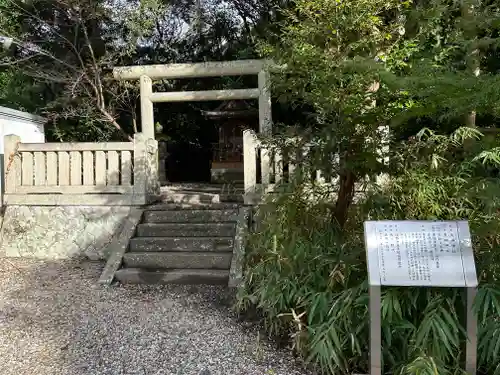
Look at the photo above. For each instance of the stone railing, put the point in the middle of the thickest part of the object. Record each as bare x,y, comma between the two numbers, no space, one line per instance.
265,168
108,173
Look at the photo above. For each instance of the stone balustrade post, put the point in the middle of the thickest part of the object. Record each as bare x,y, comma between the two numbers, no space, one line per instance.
11,172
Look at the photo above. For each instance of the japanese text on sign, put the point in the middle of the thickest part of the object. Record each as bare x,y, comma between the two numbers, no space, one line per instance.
418,253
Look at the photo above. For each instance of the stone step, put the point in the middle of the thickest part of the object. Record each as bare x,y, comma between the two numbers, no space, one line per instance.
204,188
192,206
190,276
156,244
186,230
188,197
191,260
238,198
190,216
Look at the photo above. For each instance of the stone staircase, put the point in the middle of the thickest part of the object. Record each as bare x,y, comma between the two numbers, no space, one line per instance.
181,243
202,193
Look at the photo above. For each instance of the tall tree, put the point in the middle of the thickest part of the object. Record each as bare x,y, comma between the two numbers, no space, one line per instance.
70,47
343,57
331,50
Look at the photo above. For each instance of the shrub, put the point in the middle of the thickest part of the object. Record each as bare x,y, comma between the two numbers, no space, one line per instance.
308,279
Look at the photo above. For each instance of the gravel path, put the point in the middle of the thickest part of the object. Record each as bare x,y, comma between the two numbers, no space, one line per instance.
55,319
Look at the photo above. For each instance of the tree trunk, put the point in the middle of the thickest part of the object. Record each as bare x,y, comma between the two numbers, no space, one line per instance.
113,122
474,66
473,59
134,122
345,197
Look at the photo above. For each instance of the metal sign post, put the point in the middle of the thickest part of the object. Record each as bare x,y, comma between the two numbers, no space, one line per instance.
425,254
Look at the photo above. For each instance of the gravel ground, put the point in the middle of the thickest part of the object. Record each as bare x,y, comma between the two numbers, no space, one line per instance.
55,319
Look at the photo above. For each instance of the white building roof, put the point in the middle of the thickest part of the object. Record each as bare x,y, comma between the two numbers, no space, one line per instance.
13,114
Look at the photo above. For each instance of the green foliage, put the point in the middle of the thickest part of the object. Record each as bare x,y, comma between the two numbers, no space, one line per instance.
330,51
440,179
308,279
64,52
18,91
297,268
363,64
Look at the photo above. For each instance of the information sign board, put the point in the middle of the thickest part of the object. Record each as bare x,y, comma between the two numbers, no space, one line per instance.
419,254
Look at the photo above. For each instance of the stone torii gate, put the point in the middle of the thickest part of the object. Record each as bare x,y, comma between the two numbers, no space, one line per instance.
147,73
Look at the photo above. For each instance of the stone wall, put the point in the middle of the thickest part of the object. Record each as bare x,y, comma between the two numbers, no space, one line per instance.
60,232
